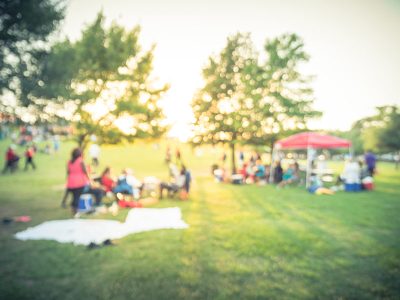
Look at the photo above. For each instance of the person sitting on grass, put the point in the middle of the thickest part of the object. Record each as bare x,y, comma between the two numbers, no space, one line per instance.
259,171
12,159
128,184
179,182
107,181
291,175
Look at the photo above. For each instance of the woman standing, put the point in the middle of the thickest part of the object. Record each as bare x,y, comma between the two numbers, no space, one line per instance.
77,178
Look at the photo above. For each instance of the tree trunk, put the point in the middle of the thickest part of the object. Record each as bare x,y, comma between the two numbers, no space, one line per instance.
82,142
233,159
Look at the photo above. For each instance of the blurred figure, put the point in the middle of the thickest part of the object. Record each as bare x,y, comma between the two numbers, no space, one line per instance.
223,158
259,171
106,180
168,155
12,159
178,155
351,172
278,172
77,178
180,182
291,175
94,153
128,184
370,161
29,153
56,143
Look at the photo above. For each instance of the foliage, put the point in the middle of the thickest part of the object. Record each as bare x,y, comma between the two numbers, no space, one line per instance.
389,138
245,101
106,84
25,28
220,108
372,129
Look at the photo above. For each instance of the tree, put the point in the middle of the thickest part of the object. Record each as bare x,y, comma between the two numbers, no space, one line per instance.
248,102
389,137
25,28
283,95
371,129
220,108
106,85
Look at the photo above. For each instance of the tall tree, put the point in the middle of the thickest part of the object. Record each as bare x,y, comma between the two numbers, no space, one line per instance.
25,28
220,107
250,102
283,95
106,85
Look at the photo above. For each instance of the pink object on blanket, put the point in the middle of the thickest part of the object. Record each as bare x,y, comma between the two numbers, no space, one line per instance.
23,219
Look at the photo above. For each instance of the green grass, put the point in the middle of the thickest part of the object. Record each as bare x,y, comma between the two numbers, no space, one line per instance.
244,242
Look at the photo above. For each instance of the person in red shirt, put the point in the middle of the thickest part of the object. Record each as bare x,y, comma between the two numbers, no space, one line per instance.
106,180
11,160
29,153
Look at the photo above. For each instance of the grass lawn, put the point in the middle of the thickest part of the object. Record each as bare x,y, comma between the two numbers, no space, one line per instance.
244,242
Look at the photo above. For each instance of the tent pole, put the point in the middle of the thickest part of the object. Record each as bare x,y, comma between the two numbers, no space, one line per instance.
272,170
308,171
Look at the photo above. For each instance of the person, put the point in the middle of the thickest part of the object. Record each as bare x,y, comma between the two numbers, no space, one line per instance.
241,156
168,155
179,182
12,159
77,178
178,155
94,152
29,153
351,173
249,171
370,161
107,181
316,186
56,143
223,158
188,180
259,169
218,173
128,184
291,175
278,172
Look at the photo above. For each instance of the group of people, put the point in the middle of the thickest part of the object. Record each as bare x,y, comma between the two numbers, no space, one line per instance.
255,171
359,172
12,159
79,181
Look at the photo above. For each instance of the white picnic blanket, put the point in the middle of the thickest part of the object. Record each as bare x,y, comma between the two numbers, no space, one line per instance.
83,232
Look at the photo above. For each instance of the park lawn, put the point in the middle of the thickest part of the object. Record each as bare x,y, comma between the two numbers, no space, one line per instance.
244,242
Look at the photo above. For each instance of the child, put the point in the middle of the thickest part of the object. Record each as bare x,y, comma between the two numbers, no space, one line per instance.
29,153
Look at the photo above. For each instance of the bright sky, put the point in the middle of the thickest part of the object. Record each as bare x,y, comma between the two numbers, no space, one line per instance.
354,46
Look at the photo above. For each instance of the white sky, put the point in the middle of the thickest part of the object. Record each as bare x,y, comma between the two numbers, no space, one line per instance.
354,46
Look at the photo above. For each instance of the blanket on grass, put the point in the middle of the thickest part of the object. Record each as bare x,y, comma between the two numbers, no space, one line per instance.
84,232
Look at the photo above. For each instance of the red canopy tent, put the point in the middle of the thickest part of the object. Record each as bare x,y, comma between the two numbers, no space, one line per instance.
313,140
309,141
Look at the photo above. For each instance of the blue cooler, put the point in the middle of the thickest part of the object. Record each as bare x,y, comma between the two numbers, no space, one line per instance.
352,187
85,203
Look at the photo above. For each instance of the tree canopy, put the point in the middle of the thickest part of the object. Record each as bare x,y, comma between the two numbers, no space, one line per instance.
245,100
104,80
25,28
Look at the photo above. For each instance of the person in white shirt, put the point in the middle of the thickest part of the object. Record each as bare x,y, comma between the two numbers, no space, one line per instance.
94,153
